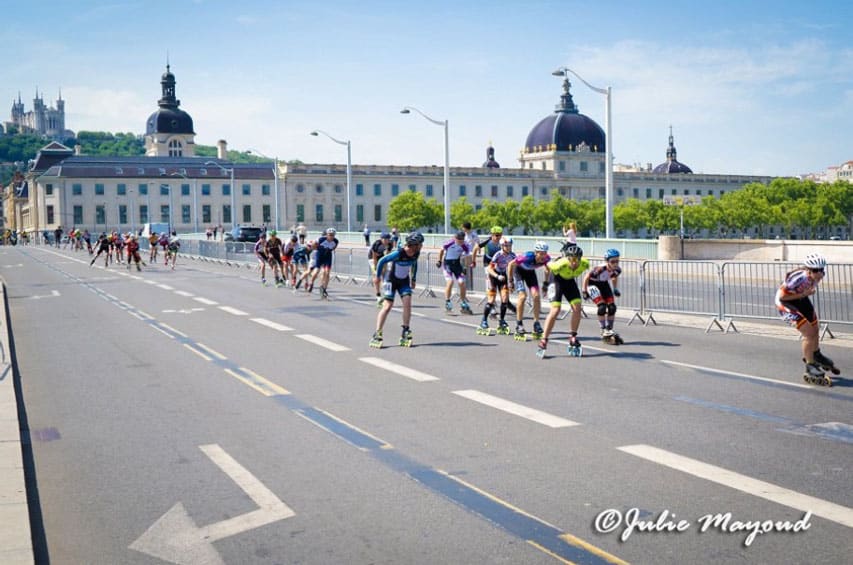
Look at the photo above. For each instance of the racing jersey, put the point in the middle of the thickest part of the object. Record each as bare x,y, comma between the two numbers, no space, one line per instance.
274,246
378,249
562,268
402,265
501,260
601,274
453,251
260,247
289,248
300,254
796,282
489,250
325,247
527,261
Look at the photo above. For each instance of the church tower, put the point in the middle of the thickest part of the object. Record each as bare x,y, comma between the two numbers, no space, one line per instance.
169,130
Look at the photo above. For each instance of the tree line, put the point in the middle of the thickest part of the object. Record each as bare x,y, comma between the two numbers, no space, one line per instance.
795,207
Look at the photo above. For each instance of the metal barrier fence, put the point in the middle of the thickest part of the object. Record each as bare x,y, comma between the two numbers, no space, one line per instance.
722,291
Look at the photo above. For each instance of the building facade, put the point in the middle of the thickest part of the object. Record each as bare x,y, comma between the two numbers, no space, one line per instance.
564,152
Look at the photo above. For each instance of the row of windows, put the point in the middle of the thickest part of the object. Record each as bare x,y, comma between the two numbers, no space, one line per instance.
121,214
338,213
142,189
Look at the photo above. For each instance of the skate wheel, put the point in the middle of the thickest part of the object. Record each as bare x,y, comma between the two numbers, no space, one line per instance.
540,353
826,381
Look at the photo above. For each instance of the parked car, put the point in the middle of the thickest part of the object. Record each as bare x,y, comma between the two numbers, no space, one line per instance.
244,234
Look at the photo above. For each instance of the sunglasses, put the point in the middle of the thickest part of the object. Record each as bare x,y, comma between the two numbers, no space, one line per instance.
821,271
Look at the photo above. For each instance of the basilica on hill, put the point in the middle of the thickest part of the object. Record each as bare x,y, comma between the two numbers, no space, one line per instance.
564,152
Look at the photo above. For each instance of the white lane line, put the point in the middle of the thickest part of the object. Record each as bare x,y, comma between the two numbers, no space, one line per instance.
825,509
270,324
147,281
399,369
516,409
742,375
198,352
165,287
211,352
323,342
205,301
234,311
184,293
171,329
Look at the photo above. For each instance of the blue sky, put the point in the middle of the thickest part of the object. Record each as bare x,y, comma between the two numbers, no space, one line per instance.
749,87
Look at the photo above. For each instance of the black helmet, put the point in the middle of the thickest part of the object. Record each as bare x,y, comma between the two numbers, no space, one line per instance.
414,238
571,250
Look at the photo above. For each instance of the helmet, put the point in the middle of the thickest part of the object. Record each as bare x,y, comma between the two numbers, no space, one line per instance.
571,250
460,235
272,232
611,254
263,235
540,246
506,241
293,237
815,261
414,238
496,229
385,235
331,231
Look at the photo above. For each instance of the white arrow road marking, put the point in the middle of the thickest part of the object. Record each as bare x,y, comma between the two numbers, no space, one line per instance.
176,538
52,294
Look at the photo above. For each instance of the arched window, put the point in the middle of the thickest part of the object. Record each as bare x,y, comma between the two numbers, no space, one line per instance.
176,148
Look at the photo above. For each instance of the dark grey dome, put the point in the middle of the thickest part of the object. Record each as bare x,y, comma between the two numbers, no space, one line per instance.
565,129
671,165
168,120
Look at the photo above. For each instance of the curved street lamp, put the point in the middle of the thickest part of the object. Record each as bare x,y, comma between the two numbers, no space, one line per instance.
410,109
317,132
229,170
608,148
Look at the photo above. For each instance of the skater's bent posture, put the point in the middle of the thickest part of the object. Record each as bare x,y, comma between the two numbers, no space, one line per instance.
398,278
498,282
597,285
564,272
450,260
795,307
522,271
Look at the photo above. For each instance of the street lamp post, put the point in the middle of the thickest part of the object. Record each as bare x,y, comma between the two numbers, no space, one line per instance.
349,171
229,170
408,110
608,148
275,186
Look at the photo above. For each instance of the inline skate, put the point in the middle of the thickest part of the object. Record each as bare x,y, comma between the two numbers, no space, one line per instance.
826,363
537,330
543,345
465,308
448,305
574,349
406,337
376,340
520,334
610,337
503,328
814,375
484,328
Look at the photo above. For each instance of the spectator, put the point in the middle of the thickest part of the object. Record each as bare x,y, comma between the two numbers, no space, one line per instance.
366,235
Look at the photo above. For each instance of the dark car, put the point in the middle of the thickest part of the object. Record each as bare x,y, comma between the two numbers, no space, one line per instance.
244,234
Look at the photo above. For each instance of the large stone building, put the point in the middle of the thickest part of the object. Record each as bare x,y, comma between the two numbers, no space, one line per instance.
564,152
42,119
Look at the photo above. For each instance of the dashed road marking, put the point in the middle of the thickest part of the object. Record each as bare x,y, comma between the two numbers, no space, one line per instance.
734,374
205,301
399,369
272,325
516,409
233,311
330,345
184,293
768,491
165,287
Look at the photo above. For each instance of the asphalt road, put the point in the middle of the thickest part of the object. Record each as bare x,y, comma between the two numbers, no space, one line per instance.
266,431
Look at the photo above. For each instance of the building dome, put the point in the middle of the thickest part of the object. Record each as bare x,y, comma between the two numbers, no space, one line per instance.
566,129
671,165
169,119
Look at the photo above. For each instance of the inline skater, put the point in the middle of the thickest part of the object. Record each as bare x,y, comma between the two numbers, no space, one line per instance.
274,250
400,271
472,240
300,260
163,241
325,253
597,286
103,245
261,254
796,308
152,244
497,281
450,259
172,249
287,259
312,270
132,247
522,271
564,272
379,249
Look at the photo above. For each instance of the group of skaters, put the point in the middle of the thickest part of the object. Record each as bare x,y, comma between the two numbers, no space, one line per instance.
123,249
394,269
296,261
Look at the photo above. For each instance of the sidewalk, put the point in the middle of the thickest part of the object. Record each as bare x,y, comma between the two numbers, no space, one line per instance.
15,539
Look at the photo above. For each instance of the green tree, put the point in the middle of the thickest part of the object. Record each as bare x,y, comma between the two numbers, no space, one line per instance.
410,210
631,214
461,211
527,214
